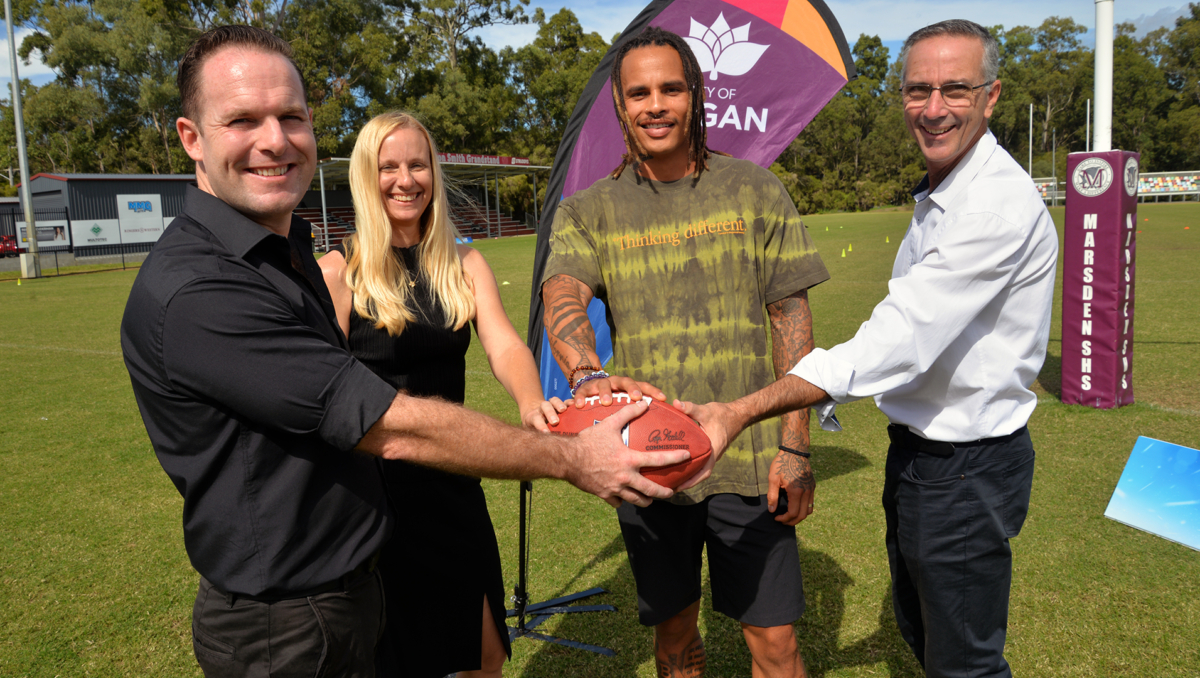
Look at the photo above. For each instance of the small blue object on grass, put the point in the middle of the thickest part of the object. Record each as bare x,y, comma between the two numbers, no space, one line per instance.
464,240
1159,491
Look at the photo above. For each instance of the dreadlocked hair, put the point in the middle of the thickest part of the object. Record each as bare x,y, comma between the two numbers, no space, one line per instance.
698,151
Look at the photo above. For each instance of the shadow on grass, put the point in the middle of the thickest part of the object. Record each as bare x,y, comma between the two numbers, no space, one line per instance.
618,630
818,631
825,586
1050,377
831,462
885,646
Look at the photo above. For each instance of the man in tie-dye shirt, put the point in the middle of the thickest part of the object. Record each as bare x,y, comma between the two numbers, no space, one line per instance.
693,253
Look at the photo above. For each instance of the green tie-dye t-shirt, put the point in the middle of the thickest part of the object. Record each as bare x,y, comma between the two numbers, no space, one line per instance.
686,272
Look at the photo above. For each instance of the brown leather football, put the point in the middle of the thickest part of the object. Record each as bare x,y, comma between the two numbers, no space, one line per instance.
662,428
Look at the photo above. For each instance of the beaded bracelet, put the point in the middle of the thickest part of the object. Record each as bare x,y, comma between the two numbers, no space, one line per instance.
571,376
583,380
798,453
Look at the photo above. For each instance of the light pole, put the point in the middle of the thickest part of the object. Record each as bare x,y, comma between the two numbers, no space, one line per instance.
1030,137
1104,76
30,261
1054,162
1087,137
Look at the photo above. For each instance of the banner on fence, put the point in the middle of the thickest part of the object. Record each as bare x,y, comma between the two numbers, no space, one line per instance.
50,233
1099,247
93,232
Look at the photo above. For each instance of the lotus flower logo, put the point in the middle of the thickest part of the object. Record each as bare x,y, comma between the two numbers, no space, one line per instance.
721,49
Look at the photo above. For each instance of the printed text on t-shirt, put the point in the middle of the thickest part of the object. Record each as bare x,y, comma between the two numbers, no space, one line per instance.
703,227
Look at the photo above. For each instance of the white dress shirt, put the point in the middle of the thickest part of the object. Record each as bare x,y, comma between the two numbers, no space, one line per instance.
952,350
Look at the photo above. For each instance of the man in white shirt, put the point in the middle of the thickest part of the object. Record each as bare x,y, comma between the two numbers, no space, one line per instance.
949,356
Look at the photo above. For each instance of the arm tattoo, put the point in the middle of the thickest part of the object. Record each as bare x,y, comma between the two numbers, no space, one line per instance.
572,339
690,663
791,340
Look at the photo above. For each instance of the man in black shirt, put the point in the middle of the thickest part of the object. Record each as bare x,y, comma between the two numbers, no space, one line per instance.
255,408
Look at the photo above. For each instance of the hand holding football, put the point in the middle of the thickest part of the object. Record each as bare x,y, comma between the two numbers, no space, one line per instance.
661,428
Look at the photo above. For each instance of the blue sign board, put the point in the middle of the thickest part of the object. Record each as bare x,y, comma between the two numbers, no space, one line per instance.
1159,491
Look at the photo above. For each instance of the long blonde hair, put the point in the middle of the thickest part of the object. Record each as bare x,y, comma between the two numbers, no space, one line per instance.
377,276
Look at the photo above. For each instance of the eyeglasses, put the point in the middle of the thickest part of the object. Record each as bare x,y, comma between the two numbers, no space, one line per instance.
953,93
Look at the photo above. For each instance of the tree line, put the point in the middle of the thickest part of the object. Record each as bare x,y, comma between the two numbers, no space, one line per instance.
112,103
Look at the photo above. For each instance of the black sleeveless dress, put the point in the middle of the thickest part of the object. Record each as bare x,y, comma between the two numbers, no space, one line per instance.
442,557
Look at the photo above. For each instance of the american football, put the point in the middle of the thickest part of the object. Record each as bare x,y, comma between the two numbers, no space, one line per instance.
660,429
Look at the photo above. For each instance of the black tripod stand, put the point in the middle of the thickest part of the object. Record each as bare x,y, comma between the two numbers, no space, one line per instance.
540,612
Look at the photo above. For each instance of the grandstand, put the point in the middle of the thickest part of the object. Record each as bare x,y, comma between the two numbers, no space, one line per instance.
89,215
1050,190
474,218
1158,185
1169,185
471,220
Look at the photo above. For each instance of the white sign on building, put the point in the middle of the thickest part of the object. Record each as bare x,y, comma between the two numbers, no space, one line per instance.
140,216
92,232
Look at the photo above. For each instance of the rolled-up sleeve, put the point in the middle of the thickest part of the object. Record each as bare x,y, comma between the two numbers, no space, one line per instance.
927,309
572,250
240,345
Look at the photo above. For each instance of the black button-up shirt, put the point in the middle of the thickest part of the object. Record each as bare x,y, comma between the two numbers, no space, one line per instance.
253,403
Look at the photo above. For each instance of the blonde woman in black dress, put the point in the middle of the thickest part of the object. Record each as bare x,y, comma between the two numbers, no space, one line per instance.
404,294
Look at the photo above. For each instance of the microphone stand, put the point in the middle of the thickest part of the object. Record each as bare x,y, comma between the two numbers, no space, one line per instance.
540,612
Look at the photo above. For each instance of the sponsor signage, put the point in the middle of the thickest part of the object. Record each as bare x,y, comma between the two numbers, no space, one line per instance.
92,232
50,233
140,217
1099,267
768,67
472,159
753,106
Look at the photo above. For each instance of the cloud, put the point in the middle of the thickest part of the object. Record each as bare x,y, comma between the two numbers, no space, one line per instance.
35,71
1163,18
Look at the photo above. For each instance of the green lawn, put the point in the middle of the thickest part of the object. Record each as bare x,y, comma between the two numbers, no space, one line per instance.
94,580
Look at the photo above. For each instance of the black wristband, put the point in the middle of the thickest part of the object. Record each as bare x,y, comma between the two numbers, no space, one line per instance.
798,453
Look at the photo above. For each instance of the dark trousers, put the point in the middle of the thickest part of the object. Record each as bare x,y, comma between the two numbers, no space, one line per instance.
327,634
951,509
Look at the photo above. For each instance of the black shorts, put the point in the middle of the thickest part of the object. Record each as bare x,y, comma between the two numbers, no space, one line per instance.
753,564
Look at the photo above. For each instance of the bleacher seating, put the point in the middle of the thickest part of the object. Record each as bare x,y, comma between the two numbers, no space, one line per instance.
1149,185
478,220
1045,187
1168,184
340,222
470,220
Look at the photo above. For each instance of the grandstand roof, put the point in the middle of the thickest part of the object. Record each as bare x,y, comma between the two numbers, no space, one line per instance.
461,167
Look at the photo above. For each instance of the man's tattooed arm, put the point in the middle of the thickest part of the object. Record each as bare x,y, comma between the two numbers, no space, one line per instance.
572,339
791,340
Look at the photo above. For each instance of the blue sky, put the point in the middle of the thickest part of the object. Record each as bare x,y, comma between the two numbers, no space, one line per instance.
891,20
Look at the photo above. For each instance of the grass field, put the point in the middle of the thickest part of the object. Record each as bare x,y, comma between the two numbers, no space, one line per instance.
94,580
